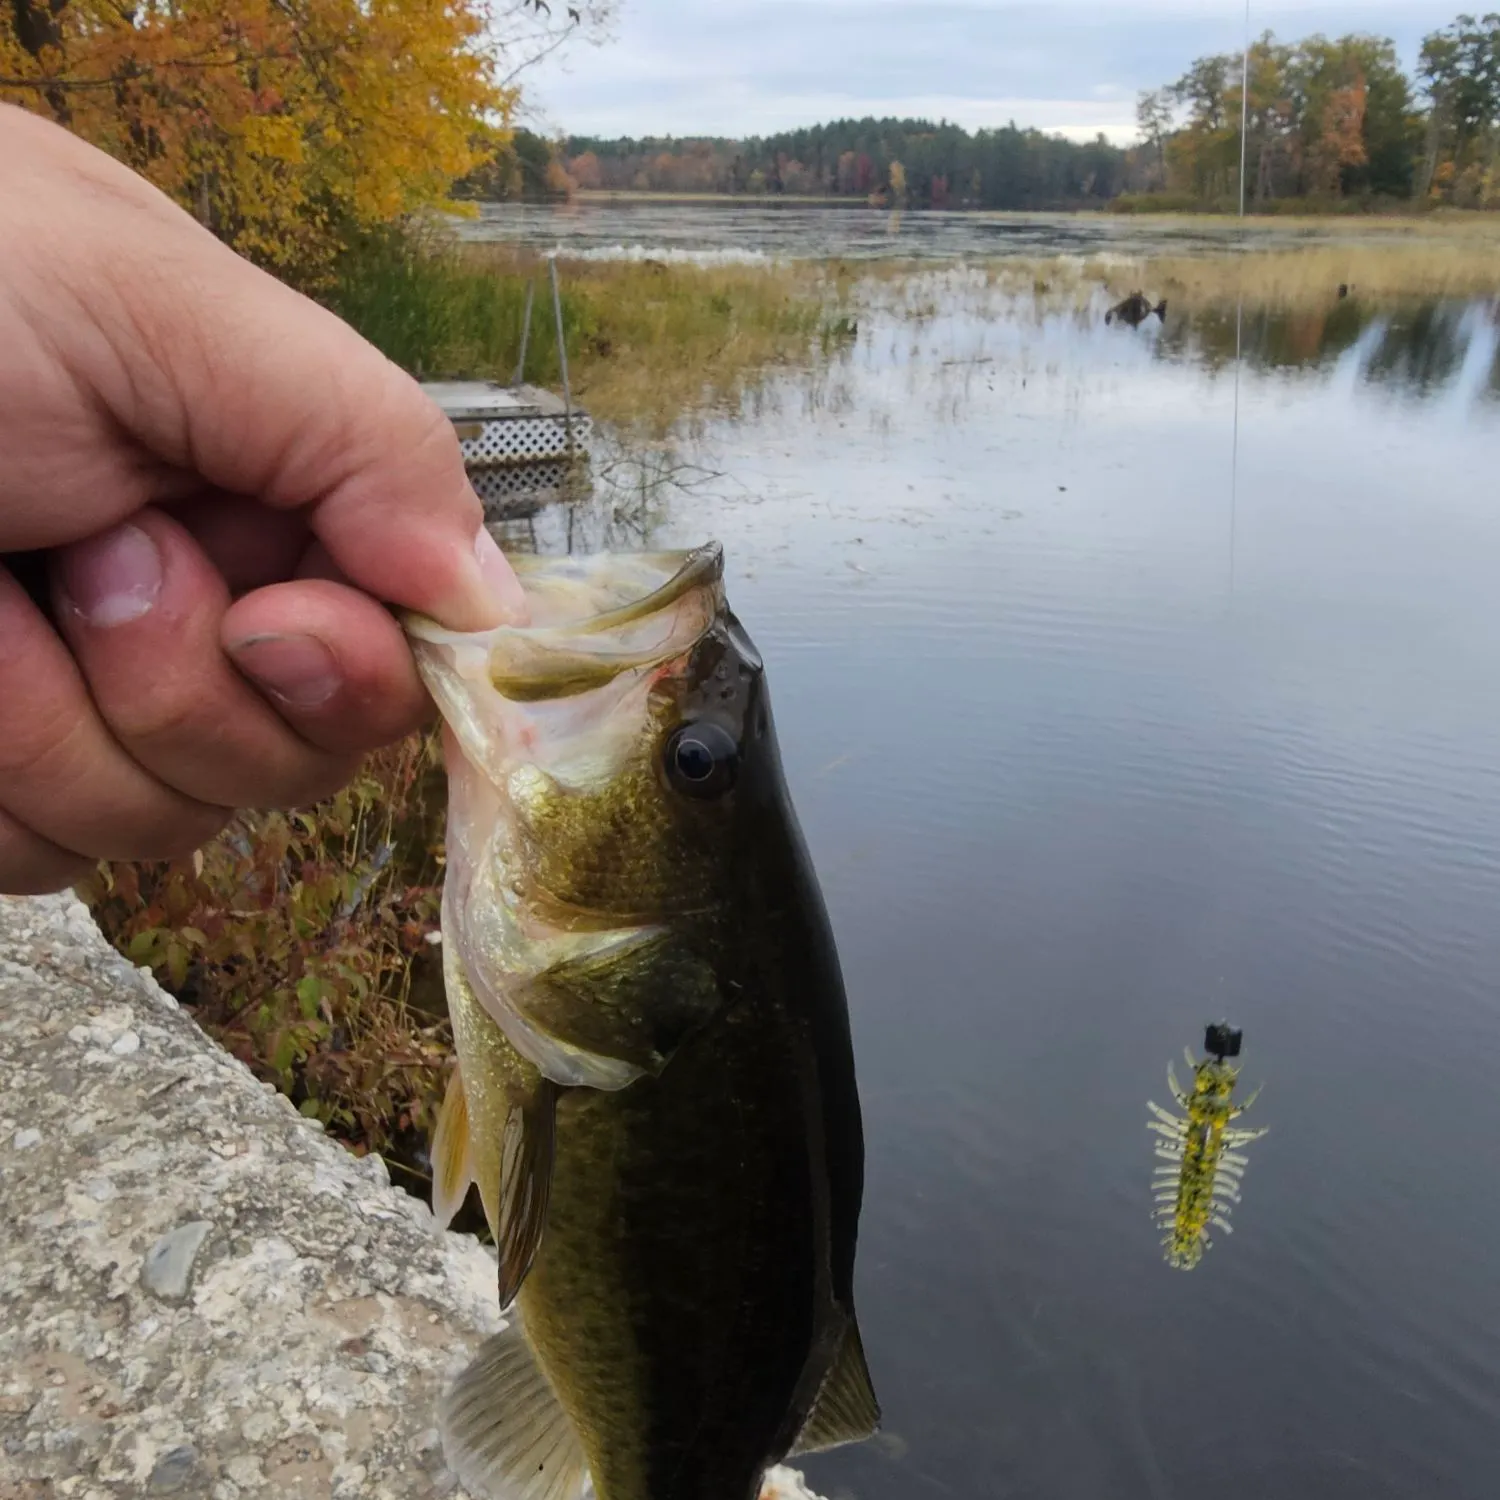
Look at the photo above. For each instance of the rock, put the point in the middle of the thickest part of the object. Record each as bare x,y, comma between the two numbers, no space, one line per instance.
142,1354
266,1322
169,1262
173,1472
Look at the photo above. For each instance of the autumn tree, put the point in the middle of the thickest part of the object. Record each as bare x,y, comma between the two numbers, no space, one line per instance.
1459,70
1392,126
1324,118
586,171
286,126
1340,141
1204,154
1153,118
280,123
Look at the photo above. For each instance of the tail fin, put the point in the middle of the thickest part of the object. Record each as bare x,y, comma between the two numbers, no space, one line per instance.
504,1433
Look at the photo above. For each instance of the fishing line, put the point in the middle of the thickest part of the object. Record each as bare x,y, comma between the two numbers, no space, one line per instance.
1239,301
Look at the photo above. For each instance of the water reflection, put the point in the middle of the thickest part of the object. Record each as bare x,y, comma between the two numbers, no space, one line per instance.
1198,1186
1424,349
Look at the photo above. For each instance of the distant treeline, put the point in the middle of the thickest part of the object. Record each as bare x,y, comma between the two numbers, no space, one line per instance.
1330,122
884,161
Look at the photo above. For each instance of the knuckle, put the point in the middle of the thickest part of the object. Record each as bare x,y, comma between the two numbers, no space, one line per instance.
178,836
31,866
39,742
152,718
317,782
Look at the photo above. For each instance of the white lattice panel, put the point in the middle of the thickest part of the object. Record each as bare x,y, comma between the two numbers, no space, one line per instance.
519,486
520,440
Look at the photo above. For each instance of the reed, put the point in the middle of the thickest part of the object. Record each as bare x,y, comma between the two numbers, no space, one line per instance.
647,342
1416,268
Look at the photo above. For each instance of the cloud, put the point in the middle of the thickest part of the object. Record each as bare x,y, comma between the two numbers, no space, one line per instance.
742,67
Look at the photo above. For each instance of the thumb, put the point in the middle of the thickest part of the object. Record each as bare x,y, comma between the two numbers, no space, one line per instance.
217,369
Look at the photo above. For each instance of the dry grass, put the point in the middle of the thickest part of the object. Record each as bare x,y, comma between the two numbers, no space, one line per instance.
1379,259
1461,223
658,341
1301,277
1310,276
648,343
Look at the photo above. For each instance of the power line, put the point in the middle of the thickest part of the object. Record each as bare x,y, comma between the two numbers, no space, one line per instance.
1239,301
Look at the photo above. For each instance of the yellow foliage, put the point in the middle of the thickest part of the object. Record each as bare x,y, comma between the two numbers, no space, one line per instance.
281,124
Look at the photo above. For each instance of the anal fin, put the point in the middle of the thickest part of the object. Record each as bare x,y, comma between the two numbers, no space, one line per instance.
846,1410
452,1160
504,1432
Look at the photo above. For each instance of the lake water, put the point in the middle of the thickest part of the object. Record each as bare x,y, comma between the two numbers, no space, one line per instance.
1104,724
763,230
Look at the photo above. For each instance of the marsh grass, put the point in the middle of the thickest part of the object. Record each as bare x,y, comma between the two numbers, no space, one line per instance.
648,343
1419,268
1381,260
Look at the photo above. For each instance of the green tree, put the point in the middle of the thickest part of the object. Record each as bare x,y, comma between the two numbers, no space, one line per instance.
1459,70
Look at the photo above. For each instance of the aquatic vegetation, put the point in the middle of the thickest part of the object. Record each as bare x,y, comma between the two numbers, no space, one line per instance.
1387,269
648,342
1199,1184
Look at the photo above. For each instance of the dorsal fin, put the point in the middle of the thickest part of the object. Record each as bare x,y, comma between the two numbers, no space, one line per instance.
846,1410
504,1432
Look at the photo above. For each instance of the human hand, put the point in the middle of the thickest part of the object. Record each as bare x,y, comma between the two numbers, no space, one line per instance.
226,480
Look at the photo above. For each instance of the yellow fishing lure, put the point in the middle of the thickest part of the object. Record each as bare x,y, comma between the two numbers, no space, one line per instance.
1199,1184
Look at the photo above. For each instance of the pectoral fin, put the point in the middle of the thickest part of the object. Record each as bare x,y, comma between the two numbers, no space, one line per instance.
629,997
502,1113
597,1009
452,1161
504,1432
846,1410
525,1185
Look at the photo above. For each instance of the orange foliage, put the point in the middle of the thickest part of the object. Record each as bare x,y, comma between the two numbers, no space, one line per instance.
586,172
558,180
281,124
1341,141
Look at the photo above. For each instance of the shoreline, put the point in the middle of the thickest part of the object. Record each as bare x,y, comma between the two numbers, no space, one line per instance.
1396,218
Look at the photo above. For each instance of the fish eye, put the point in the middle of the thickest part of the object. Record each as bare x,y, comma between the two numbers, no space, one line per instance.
702,759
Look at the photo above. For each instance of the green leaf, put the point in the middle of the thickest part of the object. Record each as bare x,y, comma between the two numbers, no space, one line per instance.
309,996
142,946
284,1054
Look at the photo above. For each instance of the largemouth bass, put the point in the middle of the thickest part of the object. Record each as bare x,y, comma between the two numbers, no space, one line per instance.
655,1090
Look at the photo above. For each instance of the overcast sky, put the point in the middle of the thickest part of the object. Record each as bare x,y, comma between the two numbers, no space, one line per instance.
751,67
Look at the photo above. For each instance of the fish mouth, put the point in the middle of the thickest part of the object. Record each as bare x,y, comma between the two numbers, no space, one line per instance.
592,618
